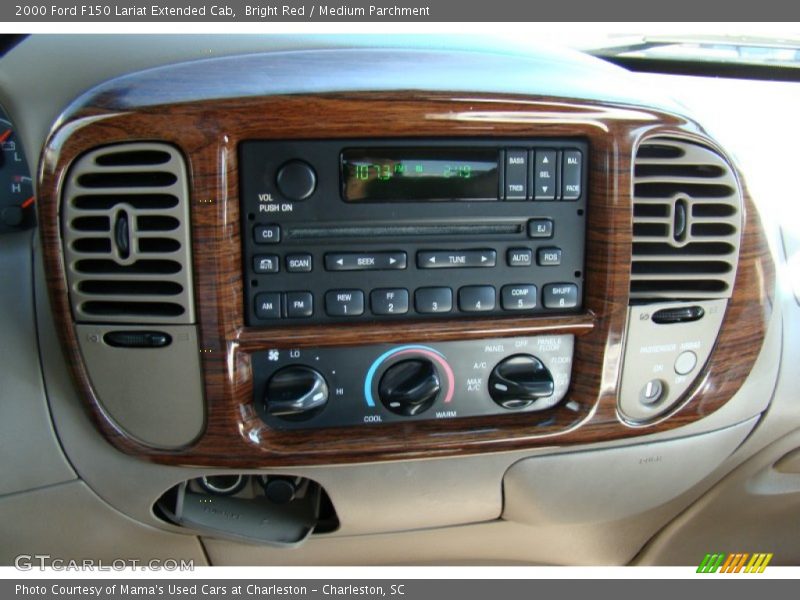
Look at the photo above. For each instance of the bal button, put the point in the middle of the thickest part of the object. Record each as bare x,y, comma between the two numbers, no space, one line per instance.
296,180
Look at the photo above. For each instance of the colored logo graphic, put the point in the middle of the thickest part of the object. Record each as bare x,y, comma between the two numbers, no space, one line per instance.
734,563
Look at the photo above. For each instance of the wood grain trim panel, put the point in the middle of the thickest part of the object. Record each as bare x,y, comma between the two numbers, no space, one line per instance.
207,132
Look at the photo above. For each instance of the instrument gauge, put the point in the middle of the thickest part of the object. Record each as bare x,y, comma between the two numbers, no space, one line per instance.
17,201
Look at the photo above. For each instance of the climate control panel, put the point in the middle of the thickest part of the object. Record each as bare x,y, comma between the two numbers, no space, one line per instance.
370,385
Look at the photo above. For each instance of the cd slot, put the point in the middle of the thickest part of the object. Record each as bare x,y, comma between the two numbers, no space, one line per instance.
378,231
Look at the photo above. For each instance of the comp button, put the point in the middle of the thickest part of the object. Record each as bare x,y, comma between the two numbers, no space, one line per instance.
518,297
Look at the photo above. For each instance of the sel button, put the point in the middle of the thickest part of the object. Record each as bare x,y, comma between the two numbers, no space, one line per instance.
544,175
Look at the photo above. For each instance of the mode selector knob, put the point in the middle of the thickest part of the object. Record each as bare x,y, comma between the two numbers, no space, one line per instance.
520,380
295,393
409,387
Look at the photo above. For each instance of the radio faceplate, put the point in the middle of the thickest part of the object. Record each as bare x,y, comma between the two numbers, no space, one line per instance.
311,256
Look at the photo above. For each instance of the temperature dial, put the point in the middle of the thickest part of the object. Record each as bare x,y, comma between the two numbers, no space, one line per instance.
520,380
410,387
296,393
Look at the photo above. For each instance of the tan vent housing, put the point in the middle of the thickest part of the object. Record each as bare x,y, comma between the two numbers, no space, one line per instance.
125,216
686,222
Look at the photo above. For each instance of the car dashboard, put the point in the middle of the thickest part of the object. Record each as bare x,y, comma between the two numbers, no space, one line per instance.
340,301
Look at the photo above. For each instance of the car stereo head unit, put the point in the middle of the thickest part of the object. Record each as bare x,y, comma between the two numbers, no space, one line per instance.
354,230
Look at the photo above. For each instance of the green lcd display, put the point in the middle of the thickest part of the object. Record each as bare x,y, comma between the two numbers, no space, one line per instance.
419,174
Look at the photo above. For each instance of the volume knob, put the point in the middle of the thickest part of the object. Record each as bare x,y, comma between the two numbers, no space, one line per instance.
295,393
409,387
520,380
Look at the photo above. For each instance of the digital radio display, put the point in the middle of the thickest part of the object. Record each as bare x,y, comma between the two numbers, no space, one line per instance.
419,174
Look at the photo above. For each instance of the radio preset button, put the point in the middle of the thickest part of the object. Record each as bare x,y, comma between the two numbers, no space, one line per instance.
560,295
299,263
571,175
344,303
268,305
518,297
519,257
544,175
389,301
299,304
266,263
540,228
296,180
476,298
267,234
548,257
433,300
365,261
516,177
455,259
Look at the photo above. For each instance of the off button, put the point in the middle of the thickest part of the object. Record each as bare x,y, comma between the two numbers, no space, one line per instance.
685,363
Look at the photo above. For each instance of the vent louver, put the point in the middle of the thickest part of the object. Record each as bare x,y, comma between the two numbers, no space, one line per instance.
125,218
686,222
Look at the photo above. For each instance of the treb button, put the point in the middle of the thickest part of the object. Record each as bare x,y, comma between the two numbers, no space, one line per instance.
516,176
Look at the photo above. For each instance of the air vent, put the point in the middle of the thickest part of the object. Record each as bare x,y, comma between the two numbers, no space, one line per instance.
686,222
126,236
